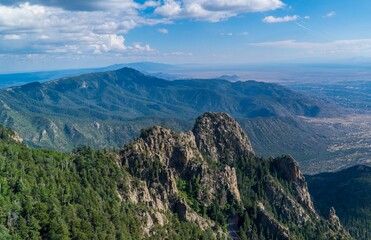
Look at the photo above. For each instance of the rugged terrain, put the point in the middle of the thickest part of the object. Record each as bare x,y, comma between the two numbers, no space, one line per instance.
108,109
349,192
205,183
210,176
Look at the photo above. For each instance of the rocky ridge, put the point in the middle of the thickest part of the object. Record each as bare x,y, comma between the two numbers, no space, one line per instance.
196,175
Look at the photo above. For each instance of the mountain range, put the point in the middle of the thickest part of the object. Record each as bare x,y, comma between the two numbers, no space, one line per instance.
108,109
206,183
17,79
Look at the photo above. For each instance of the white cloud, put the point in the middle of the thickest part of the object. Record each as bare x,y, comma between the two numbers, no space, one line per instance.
44,37
334,47
151,4
107,43
78,5
330,14
138,47
214,10
12,37
306,17
43,29
170,8
272,19
163,30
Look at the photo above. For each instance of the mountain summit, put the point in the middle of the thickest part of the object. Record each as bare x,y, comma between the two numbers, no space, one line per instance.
210,177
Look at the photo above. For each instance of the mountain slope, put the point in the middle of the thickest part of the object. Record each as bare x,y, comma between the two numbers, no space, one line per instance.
17,79
109,108
201,184
210,176
349,192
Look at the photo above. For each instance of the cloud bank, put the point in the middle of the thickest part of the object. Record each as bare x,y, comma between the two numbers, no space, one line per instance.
354,46
214,10
45,29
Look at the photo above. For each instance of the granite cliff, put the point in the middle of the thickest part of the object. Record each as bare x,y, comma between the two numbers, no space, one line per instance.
211,177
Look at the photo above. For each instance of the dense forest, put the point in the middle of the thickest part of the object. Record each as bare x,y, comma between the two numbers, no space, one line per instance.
50,195
349,192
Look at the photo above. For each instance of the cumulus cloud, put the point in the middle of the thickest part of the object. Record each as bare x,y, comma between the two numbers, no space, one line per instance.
79,28
44,29
106,43
214,10
163,30
272,19
78,5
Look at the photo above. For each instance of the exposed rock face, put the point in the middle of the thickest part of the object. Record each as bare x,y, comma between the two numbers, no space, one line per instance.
188,174
219,136
17,138
160,157
276,228
288,169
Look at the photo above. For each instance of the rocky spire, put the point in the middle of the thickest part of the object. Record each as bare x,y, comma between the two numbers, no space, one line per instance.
221,137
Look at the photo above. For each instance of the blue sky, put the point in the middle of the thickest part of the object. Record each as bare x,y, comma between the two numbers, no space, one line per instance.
57,34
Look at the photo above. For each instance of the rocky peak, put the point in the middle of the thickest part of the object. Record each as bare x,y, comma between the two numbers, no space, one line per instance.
221,137
199,177
288,169
175,172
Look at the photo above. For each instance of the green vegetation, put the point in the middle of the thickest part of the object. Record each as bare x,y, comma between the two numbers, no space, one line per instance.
50,195
46,194
255,175
349,192
179,230
110,108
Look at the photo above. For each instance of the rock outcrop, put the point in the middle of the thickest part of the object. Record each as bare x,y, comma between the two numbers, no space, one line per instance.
220,137
163,159
195,175
288,169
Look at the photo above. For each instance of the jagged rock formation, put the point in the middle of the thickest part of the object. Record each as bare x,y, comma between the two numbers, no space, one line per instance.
161,186
221,137
161,158
205,176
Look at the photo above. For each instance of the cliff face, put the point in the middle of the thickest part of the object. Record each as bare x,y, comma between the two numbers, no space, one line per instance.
210,177
168,164
221,137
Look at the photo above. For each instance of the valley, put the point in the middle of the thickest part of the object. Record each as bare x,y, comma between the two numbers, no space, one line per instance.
108,109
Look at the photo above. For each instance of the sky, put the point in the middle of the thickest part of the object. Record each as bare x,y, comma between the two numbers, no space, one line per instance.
59,34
